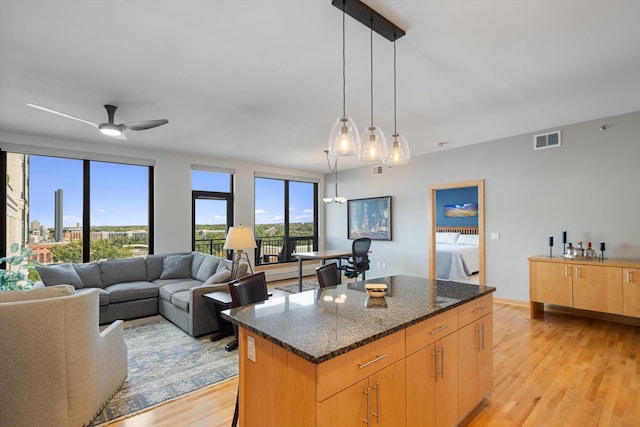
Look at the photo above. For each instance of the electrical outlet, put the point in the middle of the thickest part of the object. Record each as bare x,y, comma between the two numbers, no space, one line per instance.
251,349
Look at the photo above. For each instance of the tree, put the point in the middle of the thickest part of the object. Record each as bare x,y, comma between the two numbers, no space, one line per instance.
69,252
100,249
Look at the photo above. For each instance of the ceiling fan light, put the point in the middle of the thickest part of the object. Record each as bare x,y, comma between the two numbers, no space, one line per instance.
399,153
327,199
344,139
110,129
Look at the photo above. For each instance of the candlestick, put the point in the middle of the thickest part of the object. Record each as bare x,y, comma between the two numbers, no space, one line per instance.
550,246
601,251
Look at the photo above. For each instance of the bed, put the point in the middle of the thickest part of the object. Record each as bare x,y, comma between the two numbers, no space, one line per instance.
457,253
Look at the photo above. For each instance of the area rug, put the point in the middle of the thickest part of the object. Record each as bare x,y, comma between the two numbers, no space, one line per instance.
164,363
293,288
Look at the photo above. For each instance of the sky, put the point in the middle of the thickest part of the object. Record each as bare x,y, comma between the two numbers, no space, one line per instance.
119,194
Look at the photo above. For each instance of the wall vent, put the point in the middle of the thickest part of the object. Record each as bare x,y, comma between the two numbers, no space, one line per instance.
376,170
546,140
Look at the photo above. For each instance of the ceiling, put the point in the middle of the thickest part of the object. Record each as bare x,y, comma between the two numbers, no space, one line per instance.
261,80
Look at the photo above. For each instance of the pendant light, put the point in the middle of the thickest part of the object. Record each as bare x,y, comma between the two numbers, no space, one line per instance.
374,144
344,139
333,170
399,153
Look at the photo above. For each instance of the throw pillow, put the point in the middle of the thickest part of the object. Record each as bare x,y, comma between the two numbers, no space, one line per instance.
37,293
176,267
208,268
221,276
122,270
89,274
60,274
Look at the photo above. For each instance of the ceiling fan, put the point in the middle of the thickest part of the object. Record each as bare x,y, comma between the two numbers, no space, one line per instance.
110,128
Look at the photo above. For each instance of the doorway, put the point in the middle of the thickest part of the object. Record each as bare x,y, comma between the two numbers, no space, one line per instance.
433,198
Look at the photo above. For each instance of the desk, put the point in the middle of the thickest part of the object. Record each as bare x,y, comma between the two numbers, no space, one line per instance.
320,255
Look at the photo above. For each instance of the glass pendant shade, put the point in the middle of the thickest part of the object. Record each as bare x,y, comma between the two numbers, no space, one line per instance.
399,153
344,139
374,145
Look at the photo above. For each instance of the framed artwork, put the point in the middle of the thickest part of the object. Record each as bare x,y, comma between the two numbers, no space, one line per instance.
461,210
370,218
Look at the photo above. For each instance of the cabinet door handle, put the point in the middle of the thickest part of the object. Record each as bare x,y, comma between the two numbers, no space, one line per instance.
482,334
368,405
566,271
628,276
441,328
377,413
479,309
577,270
371,362
435,364
478,337
442,362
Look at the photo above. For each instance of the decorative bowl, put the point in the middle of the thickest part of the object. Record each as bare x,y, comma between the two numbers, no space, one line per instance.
376,290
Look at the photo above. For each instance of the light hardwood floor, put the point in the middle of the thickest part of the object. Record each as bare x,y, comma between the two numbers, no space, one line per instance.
562,370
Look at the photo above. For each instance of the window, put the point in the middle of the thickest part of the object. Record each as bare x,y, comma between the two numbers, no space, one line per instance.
212,208
48,202
286,219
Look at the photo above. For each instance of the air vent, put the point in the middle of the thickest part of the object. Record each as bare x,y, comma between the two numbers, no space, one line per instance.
376,170
546,140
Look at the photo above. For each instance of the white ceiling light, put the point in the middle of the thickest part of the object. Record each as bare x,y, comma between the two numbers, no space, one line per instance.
333,169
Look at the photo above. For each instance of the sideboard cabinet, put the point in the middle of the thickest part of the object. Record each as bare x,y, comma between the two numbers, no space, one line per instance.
609,286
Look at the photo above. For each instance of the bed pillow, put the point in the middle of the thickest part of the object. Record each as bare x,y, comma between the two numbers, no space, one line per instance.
447,237
468,239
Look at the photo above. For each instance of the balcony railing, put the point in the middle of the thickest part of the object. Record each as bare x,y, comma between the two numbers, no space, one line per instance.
270,250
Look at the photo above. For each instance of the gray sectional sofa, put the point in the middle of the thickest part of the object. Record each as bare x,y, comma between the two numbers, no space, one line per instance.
170,284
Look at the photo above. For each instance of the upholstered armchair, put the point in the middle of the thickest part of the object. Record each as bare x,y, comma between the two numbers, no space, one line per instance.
56,367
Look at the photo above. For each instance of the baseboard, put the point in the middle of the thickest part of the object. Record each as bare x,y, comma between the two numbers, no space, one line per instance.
512,302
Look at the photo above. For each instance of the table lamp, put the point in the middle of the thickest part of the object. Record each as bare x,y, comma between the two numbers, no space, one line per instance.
238,239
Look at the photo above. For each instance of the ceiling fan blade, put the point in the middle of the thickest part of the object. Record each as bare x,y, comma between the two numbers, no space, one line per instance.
95,125
144,125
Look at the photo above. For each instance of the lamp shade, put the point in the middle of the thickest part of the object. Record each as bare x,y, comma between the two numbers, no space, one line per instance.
399,153
374,145
240,237
344,139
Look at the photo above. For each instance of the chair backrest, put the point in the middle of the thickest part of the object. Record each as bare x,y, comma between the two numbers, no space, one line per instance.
328,275
248,289
360,253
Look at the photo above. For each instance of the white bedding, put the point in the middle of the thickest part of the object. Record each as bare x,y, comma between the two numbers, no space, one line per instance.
456,262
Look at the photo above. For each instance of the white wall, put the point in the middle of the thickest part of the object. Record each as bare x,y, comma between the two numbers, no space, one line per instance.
589,186
172,184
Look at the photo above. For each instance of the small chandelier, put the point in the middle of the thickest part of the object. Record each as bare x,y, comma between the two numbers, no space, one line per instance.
333,169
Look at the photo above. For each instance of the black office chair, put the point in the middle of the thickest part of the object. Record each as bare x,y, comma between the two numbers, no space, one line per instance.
358,263
328,275
244,291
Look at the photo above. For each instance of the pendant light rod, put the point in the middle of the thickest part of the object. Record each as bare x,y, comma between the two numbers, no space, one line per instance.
371,67
367,16
395,116
344,67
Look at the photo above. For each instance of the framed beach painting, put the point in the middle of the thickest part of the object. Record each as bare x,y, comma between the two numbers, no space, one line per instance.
370,218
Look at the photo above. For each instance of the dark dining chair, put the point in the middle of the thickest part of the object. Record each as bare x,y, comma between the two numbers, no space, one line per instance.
244,291
358,263
328,275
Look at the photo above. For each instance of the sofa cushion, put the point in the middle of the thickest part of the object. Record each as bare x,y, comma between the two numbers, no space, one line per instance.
181,300
131,291
122,270
224,263
167,291
38,293
154,266
60,274
221,276
89,274
196,262
176,267
208,268
103,298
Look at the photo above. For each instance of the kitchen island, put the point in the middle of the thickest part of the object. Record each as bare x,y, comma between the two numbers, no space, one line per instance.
421,355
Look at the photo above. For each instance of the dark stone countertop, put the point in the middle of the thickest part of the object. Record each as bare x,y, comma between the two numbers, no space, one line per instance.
315,327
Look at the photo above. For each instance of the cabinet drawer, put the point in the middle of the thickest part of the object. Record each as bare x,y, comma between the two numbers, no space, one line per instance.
475,309
429,331
340,372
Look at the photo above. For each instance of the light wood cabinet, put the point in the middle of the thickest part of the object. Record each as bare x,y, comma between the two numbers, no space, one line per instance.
598,288
377,400
631,291
475,345
432,386
609,286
